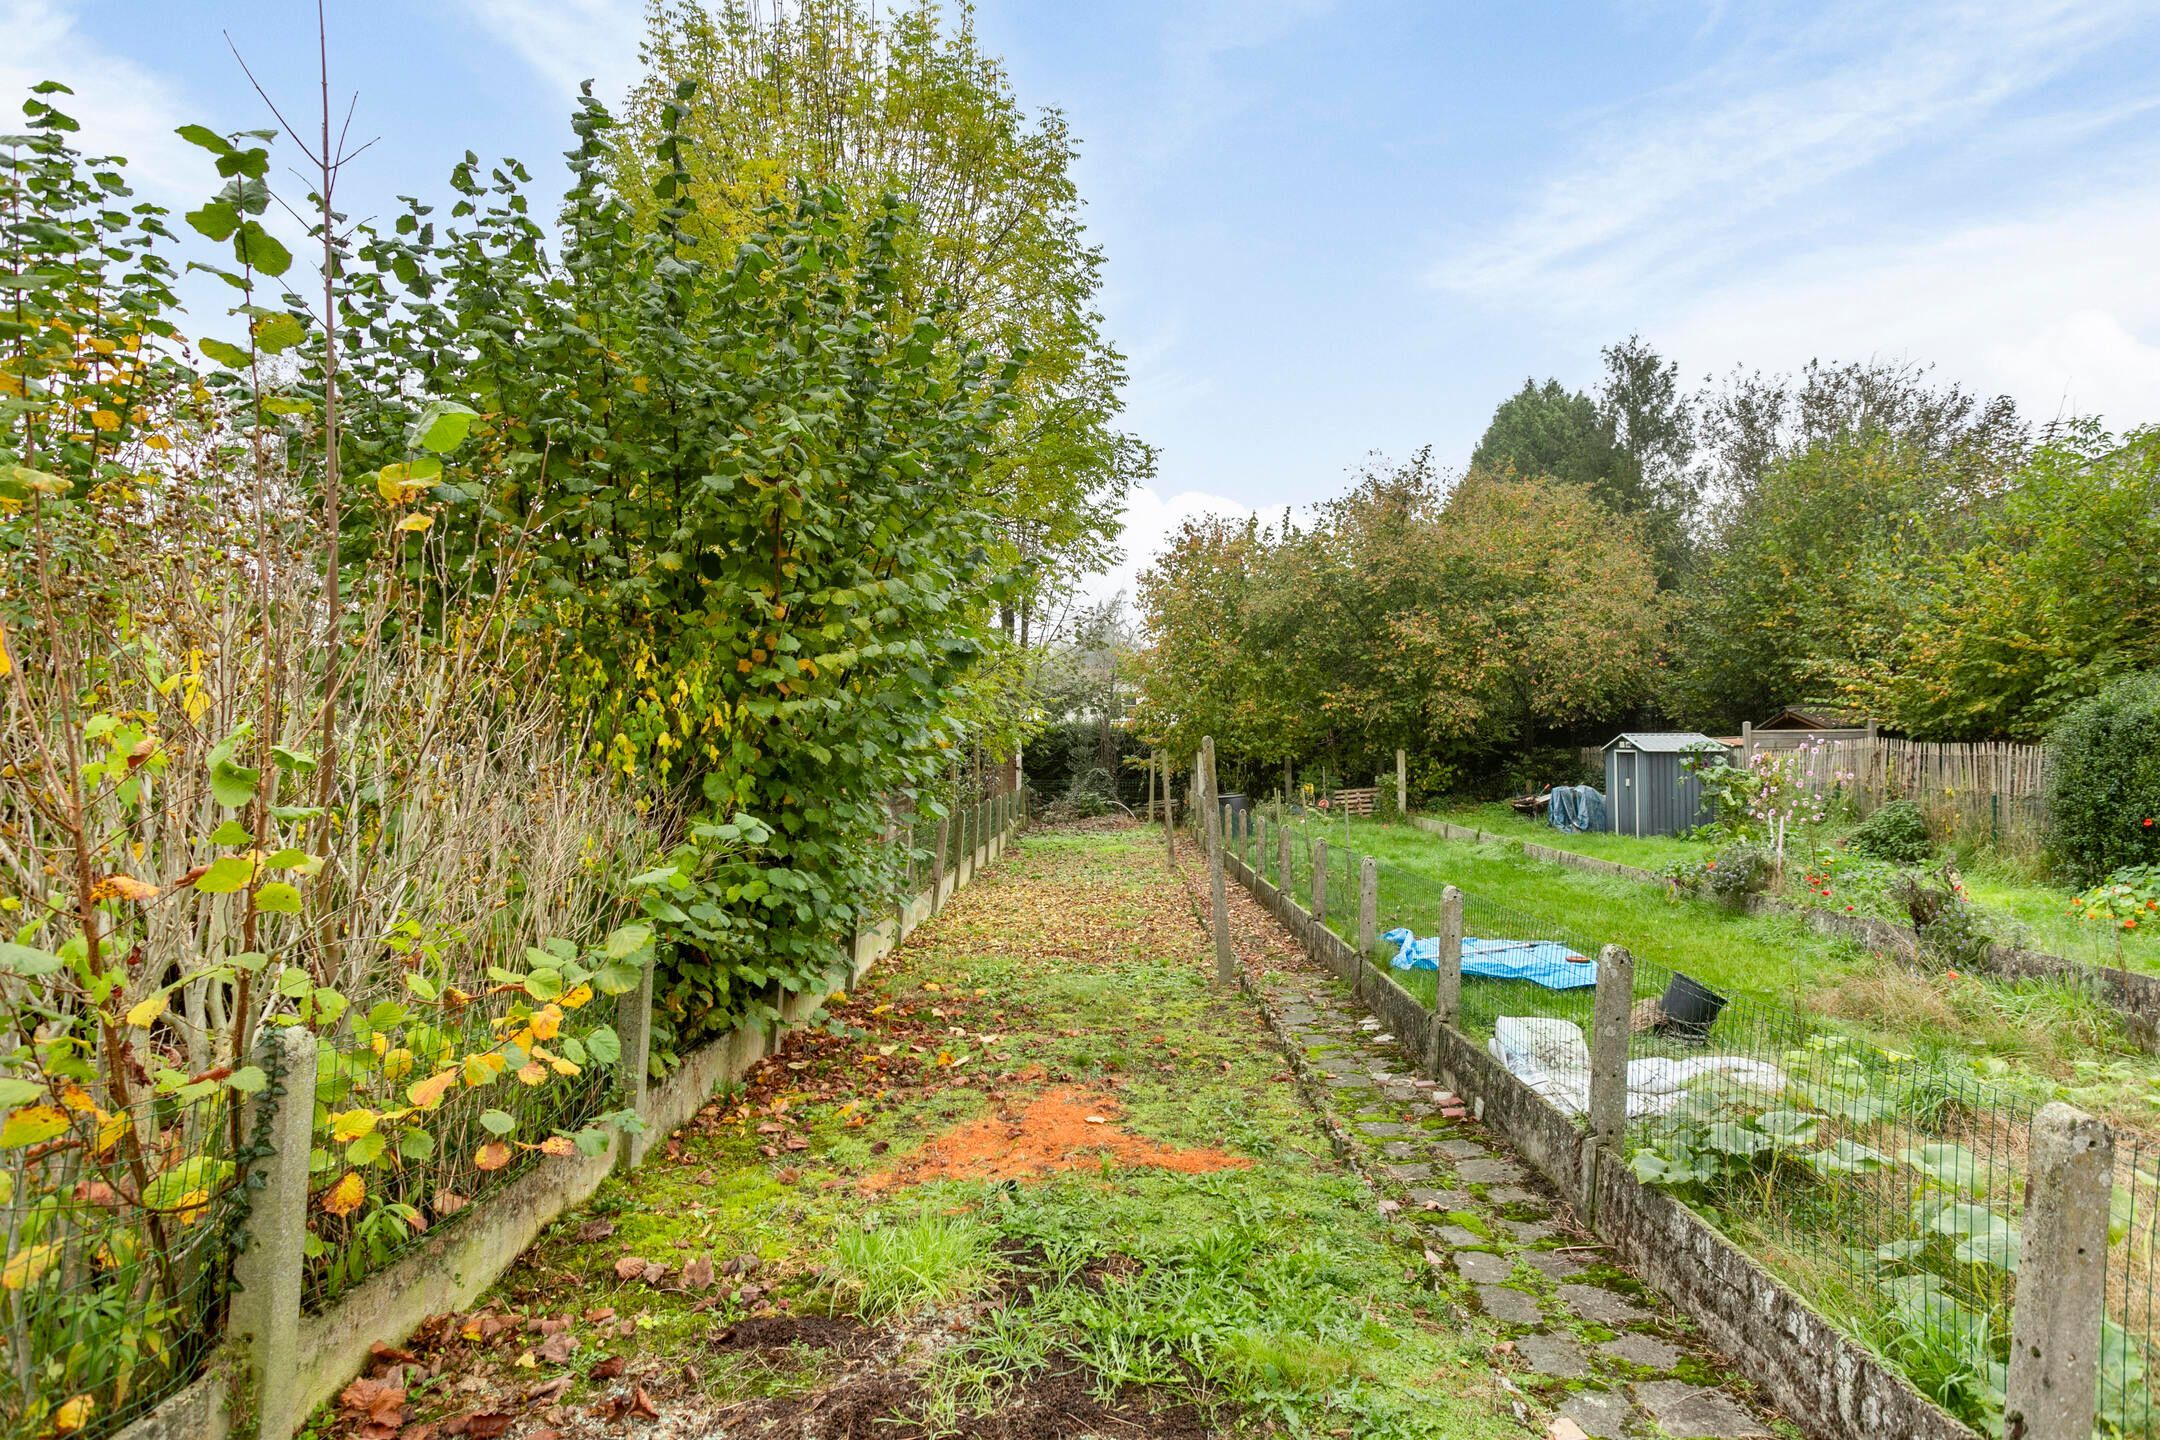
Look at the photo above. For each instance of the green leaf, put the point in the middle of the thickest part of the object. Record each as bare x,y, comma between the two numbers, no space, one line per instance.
248,1080
367,1149
217,220
27,961
498,1122
278,333
204,136
231,356
288,859
278,898
226,874
416,1145
231,783
443,426
232,832
604,1045
627,941
259,248
14,1091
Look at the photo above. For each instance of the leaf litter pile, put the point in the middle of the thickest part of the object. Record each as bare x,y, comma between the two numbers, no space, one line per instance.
949,1210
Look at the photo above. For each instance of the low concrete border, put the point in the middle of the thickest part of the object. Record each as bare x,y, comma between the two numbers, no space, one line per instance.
2136,996
1839,1389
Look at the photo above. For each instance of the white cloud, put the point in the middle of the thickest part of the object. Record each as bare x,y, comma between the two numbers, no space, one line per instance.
125,109
1668,187
1151,519
2059,309
571,41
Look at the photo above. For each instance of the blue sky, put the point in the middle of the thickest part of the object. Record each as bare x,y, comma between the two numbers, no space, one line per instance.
1340,228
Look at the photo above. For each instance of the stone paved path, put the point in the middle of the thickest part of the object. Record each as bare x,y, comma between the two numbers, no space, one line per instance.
1587,1342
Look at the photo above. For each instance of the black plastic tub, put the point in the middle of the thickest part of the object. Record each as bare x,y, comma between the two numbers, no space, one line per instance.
1690,1008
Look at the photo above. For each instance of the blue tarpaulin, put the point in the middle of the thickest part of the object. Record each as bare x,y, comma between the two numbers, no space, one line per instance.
1541,962
1576,808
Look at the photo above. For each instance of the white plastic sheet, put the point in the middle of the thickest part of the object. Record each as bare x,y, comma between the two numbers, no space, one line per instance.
1551,1057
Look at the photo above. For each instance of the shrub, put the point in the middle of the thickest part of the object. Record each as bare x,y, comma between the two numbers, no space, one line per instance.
1897,832
2104,787
1730,876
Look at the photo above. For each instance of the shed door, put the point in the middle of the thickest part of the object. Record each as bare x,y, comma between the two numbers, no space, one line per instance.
1627,805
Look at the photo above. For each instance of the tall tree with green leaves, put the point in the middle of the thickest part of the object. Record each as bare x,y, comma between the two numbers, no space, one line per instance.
903,99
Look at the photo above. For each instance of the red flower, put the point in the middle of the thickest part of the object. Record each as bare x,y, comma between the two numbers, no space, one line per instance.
2148,822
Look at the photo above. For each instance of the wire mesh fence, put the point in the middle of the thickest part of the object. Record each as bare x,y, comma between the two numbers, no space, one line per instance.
513,1096
120,1233
1887,1188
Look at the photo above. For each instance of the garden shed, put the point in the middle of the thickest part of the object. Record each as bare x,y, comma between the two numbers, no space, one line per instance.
1647,789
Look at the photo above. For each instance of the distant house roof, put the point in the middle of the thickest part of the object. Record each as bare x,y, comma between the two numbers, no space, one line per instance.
1665,742
1815,717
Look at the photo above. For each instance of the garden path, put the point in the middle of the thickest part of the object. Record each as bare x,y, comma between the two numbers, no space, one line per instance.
1038,1177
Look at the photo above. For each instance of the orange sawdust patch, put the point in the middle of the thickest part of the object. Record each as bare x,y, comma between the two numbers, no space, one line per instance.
1058,1130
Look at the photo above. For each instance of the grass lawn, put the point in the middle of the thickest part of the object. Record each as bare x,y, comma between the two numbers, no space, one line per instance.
2016,908
2042,1040
1036,1176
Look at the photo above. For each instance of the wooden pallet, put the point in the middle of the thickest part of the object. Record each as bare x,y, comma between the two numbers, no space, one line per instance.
1354,802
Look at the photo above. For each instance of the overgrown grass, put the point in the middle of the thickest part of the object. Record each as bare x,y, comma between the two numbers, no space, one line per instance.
881,1271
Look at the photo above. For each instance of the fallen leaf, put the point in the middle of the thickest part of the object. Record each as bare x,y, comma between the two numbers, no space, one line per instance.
630,1267
558,1348
593,1230
698,1274
609,1368
641,1404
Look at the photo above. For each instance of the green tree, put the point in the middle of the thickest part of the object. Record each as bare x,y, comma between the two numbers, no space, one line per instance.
1550,430
2057,594
902,99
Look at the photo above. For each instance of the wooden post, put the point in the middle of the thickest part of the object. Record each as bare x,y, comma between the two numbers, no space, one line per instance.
2055,1331
1150,791
1282,862
1447,979
1319,882
1225,965
1402,782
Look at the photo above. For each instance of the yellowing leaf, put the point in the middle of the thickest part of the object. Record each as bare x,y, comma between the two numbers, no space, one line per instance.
558,1145
351,1125
346,1195
416,522
492,1156
123,887
30,1125
397,1064
28,1265
144,1013
109,1131
546,1022
105,419
428,1093
73,1414
532,1073
575,996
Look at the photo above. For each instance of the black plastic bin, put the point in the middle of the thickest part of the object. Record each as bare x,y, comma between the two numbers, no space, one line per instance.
1690,1009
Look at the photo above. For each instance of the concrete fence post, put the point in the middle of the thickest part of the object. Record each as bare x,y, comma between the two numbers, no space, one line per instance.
1402,781
265,1319
1150,791
2062,1278
1447,978
1225,965
1608,1058
938,861
1169,811
1319,882
1368,907
633,1026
